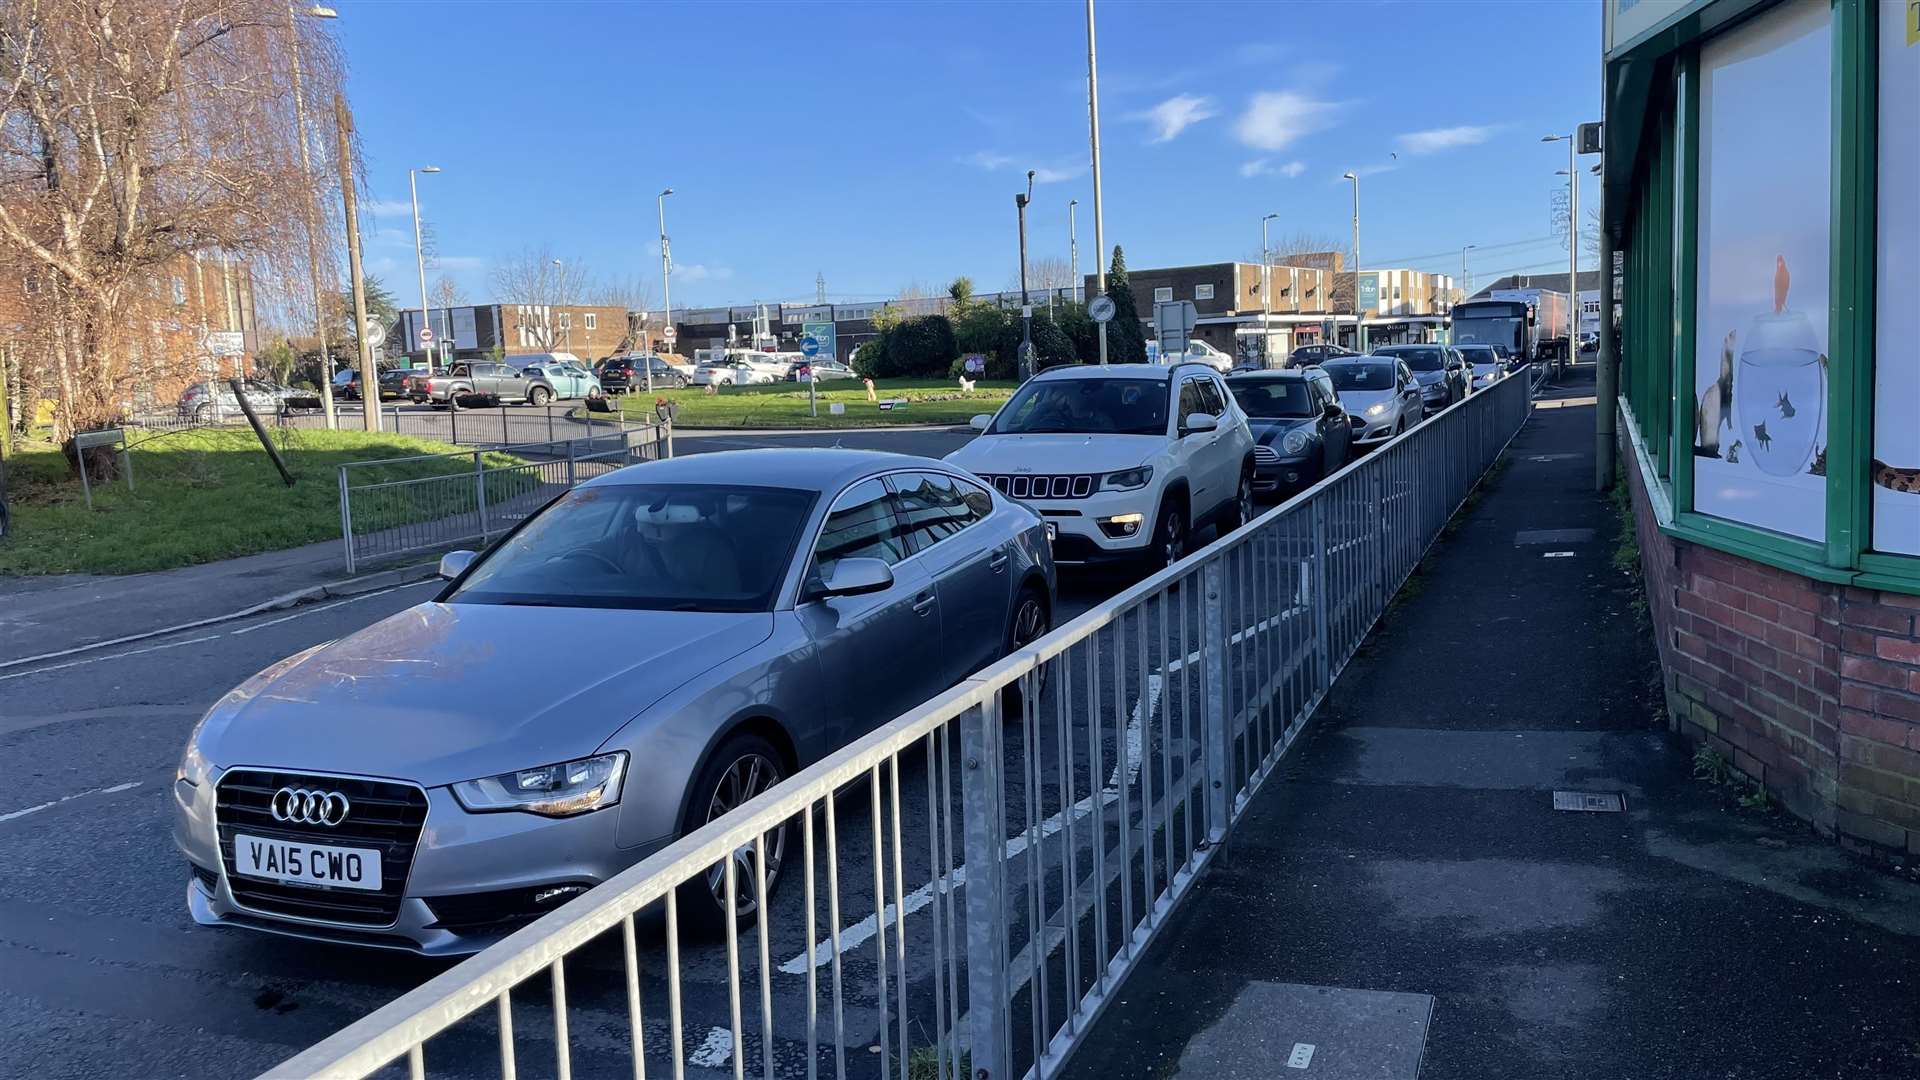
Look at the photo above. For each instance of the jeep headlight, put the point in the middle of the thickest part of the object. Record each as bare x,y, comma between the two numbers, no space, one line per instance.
1294,442
570,787
1127,479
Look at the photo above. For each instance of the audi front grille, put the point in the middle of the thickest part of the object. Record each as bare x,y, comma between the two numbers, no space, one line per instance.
1265,455
1023,486
382,814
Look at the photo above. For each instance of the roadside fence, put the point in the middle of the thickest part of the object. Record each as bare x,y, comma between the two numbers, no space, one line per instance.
965,888
397,505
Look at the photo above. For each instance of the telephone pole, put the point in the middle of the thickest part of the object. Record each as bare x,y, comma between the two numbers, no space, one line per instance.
820,287
313,227
369,378
1099,223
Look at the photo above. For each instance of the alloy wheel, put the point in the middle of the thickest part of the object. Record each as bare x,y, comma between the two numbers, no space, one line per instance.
749,775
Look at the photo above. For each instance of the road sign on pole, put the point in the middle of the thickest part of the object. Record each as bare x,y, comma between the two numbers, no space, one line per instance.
1173,324
1100,309
426,335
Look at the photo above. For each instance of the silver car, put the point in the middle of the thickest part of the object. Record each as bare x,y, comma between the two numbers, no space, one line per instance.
1381,396
647,652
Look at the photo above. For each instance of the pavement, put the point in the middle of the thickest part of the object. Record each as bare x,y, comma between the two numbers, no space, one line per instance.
1402,900
46,617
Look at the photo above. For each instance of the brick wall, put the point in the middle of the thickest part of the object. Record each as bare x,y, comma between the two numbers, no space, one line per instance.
1810,688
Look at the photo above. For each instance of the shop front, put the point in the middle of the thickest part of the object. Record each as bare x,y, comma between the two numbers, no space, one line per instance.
1760,175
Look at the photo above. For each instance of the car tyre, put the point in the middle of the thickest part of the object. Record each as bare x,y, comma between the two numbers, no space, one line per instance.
1032,618
743,766
1240,510
1170,533
539,396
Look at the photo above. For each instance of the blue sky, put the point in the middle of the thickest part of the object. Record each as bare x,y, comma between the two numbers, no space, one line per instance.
881,144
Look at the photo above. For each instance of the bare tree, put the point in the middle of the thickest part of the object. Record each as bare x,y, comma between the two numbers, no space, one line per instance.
533,283
134,137
632,293
446,292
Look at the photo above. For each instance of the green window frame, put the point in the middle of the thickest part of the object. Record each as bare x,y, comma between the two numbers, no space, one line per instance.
1658,353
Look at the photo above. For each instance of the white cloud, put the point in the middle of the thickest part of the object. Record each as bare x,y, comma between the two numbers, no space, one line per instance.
1266,167
1276,118
1176,114
987,159
701,272
1434,140
459,262
1292,169
376,207
1055,173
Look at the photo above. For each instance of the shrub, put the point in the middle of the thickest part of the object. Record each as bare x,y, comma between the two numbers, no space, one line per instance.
920,346
869,358
1051,346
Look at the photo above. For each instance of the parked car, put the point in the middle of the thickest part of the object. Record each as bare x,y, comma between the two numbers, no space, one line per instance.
482,379
628,374
1380,394
266,398
764,608
1309,355
1197,352
1124,462
1440,372
734,373
820,370
567,380
1484,362
1300,430
1509,357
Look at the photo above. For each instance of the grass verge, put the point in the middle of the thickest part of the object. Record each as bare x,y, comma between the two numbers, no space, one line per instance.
784,405
200,495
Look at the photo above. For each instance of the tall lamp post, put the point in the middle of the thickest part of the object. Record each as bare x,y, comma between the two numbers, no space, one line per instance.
1020,201
312,208
419,254
565,317
1573,247
1358,346
666,278
1266,293
1464,286
1073,252
1099,222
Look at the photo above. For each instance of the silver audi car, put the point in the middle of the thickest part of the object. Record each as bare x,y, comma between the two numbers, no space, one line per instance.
650,650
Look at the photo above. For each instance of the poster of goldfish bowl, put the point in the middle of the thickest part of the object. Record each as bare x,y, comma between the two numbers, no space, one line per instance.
1760,357
1896,361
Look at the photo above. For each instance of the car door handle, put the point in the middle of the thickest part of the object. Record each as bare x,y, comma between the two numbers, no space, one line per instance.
999,561
923,604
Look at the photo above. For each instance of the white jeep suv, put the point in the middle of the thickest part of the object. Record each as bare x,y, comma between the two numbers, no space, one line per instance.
1122,462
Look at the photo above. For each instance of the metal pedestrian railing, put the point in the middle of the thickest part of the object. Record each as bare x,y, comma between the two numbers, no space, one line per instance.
1005,852
397,505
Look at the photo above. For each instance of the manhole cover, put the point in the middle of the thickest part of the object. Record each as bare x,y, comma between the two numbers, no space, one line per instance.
1589,802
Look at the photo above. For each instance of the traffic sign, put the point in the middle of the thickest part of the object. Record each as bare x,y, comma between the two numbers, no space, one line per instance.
667,335
810,346
1100,309
426,335
1173,323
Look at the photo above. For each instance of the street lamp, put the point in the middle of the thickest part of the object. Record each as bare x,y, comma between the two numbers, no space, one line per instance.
1463,267
313,213
1357,344
666,281
1266,290
1020,202
419,254
1573,247
565,317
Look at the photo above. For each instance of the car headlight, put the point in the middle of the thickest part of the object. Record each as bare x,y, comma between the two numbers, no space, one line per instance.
571,787
1376,409
193,766
1294,442
1127,479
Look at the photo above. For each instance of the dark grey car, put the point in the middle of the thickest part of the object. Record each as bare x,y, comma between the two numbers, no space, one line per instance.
647,652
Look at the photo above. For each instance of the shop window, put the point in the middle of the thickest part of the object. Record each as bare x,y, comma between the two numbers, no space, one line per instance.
1896,379
1163,294
1761,299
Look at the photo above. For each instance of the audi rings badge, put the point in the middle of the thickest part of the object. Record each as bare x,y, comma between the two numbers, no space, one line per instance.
300,806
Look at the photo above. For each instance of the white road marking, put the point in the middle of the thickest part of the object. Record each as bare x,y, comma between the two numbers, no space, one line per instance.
714,1051
114,790
323,607
1557,555
115,656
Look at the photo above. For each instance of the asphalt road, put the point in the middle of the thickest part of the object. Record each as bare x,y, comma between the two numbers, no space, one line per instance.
103,973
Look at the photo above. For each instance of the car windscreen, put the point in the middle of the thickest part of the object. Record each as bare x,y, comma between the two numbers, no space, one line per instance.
657,547
1418,359
1269,399
1086,406
1479,354
1361,376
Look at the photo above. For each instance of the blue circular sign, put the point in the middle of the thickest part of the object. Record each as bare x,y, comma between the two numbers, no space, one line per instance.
810,345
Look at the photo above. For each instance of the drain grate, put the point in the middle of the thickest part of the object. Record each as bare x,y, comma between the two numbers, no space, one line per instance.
1589,802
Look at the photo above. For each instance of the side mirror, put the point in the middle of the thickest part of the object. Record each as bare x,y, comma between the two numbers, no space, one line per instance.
855,577
1333,409
455,563
981,421
1199,422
